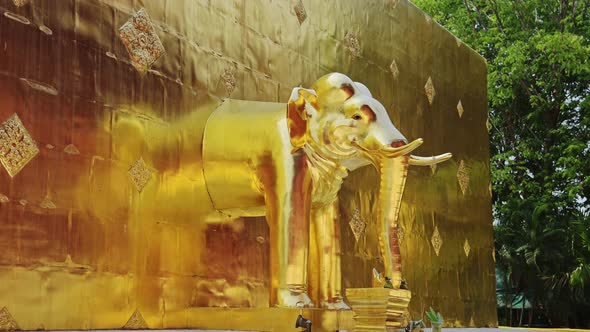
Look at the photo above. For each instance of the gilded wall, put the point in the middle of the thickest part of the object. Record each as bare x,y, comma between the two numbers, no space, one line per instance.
102,212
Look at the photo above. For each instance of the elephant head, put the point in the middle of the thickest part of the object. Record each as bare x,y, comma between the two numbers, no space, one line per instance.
340,122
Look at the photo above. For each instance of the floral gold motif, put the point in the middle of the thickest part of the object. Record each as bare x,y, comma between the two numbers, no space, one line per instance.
300,11
20,3
71,149
463,177
401,233
394,70
140,174
229,79
136,322
142,42
357,224
436,240
46,203
430,92
466,247
7,322
352,44
17,147
4,198
460,109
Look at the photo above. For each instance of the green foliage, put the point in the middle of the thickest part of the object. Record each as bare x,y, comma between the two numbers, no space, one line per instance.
434,317
538,54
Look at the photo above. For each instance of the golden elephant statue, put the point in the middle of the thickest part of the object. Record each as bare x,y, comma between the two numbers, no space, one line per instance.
288,164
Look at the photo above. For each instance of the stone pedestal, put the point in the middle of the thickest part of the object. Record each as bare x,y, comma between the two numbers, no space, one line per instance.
378,309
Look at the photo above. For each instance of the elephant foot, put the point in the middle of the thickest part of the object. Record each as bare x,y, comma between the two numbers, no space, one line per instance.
335,304
291,299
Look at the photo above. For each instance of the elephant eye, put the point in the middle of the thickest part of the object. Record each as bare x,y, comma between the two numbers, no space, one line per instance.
357,117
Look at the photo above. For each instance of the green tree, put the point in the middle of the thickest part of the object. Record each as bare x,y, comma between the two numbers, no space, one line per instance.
538,54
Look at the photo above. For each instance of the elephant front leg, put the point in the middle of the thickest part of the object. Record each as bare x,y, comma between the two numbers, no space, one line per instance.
288,200
327,228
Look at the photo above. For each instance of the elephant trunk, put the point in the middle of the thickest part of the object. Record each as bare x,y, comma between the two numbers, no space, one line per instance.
394,172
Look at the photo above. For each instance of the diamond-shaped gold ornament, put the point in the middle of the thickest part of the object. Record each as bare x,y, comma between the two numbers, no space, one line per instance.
17,147
430,92
20,3
463,177
351,41
47,203
466,247
401,234
436,240
460,109
142,42
229,80
140,174
4,198
394,69
71,149
357,225
300,11
7,322
136,322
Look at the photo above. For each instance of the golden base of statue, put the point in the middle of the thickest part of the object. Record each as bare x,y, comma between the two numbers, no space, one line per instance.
378,309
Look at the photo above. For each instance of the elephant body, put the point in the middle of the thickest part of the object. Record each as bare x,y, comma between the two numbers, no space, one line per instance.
287,162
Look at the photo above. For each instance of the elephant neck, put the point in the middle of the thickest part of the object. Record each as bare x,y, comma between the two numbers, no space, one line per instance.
327,175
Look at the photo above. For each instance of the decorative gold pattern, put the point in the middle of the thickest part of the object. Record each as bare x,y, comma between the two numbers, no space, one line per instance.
393,68
136,322
20,3
71,149
7,322
4,199
430,92
300,11
357,224
229,80
140,174
17,147
401,233
23,202
460,109
352,44
463,177
436,240
142,42
466,247
46,203
433,169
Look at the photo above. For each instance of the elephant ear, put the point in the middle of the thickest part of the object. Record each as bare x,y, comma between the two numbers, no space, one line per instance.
302,105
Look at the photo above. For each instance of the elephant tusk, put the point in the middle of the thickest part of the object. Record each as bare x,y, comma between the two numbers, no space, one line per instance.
391,152
427,161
